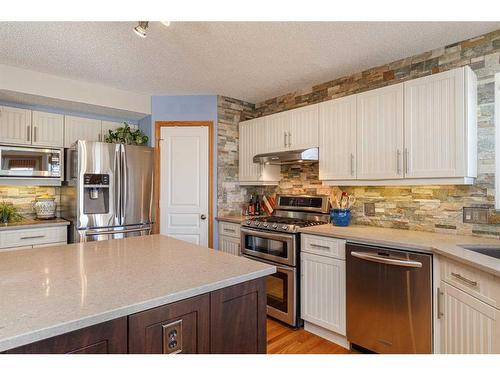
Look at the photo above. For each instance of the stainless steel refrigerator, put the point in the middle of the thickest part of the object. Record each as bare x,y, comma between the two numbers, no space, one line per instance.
108,192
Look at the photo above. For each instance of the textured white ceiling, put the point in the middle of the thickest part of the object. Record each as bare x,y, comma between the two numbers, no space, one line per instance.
246,60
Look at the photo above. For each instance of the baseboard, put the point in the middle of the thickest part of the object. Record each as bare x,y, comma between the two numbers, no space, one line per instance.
327,335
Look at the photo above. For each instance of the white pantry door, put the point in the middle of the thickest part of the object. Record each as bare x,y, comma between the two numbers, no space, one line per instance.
184,183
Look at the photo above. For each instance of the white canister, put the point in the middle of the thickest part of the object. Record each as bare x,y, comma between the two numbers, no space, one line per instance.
45,208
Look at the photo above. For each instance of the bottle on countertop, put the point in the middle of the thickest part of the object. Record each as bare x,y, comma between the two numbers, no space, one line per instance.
257,206
251,206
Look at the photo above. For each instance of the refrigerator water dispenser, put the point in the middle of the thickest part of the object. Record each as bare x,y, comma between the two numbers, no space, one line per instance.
96,193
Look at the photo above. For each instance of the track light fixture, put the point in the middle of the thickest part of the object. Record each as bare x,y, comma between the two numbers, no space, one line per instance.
141,28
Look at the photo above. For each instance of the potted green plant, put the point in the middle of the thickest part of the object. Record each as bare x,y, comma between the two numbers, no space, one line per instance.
127,136
8,213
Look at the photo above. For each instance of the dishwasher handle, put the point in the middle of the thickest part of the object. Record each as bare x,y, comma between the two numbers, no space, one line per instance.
393,262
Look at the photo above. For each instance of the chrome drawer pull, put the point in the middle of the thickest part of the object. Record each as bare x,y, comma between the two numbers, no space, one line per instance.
440,294
229,230
464,279
32,237
320,246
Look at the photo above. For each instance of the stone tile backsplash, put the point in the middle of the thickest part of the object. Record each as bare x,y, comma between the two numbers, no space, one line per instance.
24,196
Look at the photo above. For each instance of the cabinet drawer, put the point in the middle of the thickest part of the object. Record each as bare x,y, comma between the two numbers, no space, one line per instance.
27,237
329,247
479,284
229,229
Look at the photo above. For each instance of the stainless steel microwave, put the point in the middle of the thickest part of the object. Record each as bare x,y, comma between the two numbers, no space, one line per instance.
28,162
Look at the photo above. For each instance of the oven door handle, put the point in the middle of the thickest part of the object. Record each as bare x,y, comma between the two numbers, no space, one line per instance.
393,262
267,234
278,265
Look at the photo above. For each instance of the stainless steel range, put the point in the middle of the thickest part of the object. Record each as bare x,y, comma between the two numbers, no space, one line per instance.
276,240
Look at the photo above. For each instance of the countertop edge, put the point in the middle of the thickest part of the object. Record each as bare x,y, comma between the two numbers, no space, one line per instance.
45,333
34,225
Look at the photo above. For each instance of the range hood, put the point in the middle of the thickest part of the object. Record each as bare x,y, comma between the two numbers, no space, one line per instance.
308,155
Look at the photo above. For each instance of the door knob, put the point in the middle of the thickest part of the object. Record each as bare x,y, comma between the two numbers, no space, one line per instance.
203,217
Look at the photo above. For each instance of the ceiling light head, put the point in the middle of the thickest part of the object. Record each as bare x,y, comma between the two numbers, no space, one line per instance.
141,28
165,23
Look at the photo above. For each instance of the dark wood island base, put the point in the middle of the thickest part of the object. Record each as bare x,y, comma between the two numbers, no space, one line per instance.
231,320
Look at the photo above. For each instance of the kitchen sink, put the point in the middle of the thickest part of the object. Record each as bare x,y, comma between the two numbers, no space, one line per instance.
489,250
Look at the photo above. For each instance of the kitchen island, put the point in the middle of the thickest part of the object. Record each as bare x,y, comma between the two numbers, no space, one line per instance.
151,294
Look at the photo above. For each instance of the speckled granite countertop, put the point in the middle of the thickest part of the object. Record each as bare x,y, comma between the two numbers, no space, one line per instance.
444,244
33,223
53,290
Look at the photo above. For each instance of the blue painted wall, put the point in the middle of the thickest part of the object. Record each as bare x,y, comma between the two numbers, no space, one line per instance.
187,108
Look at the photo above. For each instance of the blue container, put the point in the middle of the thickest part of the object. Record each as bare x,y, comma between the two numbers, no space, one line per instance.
341,217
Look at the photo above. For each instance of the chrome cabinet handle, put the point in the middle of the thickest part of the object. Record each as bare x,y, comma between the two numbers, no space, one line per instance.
32,237
229,230
406,157
319,246
464,279
34,133
393,262
352,164
289,139
28,131
440,294
398,164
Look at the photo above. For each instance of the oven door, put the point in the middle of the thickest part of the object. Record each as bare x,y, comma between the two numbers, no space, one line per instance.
29,162
281,291
276,247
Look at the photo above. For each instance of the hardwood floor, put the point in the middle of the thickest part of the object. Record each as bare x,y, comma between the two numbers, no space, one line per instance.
282,339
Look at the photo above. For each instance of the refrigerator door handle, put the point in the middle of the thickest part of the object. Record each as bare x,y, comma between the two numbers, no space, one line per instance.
117,183
123,183
95,233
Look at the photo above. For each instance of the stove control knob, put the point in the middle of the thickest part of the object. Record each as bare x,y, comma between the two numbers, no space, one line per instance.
257,223
265,225
275,226
284,227
248,222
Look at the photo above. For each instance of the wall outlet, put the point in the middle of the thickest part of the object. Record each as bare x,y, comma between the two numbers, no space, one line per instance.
369,209
476,215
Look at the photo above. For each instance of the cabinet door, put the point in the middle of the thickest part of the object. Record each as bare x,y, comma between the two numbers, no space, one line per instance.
238,319
230,245
380,133
48,129
180,327
276,132
302,127
468,326
337,139
15,126
435,125
110,125
323,300
79,128
105,338
248,148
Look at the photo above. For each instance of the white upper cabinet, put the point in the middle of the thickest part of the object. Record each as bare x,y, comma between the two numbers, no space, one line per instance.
48,129
303,127
252,142
337,139
438,129
292,130
275,128
15,126
79,128
380,133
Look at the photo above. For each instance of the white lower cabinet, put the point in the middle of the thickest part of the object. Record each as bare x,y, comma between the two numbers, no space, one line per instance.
467,325
323,298
19,239
229,237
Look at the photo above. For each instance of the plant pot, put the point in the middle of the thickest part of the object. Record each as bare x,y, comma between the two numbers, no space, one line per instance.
45,208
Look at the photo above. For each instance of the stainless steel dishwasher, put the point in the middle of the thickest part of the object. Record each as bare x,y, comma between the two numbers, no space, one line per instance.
389,299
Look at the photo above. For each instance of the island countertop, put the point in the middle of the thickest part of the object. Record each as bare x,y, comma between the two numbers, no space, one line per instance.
55,290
